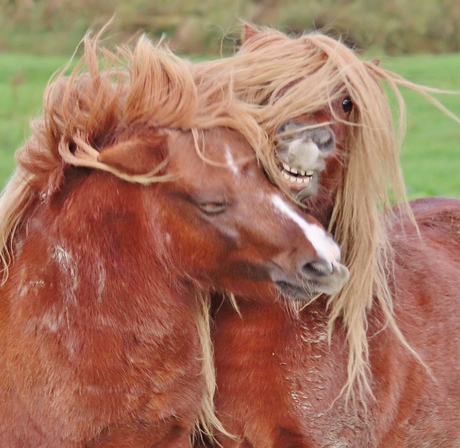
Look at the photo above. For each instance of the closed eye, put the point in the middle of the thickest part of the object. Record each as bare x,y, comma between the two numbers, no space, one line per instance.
213,208
208,204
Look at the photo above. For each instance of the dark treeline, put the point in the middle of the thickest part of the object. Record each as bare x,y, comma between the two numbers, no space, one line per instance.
208,26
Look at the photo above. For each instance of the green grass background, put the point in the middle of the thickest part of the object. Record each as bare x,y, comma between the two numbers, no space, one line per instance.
430,155
431,151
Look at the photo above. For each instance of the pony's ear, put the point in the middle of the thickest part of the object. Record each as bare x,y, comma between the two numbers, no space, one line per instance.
137,156
248,32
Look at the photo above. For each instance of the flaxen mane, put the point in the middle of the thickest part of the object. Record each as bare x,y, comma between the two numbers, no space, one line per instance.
283,78
110,97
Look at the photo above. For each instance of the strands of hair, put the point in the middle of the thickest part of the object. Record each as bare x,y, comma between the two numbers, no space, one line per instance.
283,78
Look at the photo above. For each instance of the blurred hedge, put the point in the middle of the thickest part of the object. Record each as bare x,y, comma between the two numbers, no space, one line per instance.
208,26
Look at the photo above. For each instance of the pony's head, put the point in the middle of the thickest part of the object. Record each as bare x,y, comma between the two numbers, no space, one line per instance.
225,226
326,114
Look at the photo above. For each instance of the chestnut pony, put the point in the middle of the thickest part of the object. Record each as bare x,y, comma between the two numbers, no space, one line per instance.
375,365
135,192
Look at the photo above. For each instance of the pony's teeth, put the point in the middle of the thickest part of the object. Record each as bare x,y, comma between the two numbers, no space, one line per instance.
296,176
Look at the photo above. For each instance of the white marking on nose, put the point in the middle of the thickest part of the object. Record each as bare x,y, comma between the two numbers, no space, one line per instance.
231,161
324,245
304,153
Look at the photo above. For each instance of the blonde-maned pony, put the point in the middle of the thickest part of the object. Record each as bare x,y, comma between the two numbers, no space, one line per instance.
109,94
283,78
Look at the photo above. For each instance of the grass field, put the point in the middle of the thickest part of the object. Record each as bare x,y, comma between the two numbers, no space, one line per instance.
431,151
430,155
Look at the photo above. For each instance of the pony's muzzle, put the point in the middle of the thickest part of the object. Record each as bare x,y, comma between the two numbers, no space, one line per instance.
325,277
303,148
317,276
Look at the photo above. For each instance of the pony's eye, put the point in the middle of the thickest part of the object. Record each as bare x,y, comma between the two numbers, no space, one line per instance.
213,208
347,105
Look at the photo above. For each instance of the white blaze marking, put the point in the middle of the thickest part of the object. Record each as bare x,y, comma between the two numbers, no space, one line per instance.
324,245
307,153
230,160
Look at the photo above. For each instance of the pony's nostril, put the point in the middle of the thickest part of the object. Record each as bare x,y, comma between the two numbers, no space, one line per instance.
318,268
281,128
324,138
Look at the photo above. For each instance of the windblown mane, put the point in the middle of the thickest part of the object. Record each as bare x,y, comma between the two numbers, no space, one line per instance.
283,78
117,95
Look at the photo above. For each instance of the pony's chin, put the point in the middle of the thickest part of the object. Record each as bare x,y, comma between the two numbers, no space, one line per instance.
308,191
290,291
